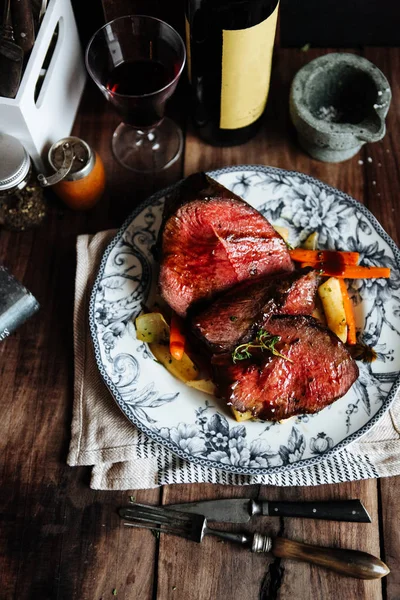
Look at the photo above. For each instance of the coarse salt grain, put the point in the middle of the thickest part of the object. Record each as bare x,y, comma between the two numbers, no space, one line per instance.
360,162
369,159
329,113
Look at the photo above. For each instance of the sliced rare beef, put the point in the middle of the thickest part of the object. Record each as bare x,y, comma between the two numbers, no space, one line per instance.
211,240
236,315
320,370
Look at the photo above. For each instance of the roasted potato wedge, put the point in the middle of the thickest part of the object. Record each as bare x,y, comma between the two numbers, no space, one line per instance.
241,416
318,312
152,328
203,385
332,302
311,243
183,369
283,231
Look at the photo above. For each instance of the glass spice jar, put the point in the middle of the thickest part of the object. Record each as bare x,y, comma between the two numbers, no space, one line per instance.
22,204
79,179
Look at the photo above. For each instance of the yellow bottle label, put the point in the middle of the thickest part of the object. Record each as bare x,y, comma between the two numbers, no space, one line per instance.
246,72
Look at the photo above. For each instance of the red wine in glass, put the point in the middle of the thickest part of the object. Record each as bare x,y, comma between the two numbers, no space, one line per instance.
134,84
136,62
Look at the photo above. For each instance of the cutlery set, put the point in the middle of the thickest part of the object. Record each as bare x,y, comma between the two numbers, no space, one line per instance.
19,23
11,54
190,521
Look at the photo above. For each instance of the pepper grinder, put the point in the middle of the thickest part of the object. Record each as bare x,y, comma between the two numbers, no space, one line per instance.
79,178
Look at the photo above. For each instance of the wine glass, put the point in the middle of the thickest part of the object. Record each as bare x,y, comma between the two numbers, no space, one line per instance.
136,61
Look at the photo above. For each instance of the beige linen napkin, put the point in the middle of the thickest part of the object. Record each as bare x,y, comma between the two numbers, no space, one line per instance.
123,458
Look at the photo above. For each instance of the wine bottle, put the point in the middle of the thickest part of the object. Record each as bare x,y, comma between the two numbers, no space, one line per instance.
229,50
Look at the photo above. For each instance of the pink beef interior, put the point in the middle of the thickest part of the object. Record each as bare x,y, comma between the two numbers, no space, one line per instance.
235,316
223,260
321,371
210,245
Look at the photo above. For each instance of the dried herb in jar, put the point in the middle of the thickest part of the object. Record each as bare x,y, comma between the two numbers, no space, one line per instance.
22,205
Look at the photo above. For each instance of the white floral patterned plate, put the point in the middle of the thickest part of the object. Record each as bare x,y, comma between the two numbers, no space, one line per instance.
199,428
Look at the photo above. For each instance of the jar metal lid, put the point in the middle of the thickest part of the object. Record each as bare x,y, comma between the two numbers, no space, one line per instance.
14,162
83,162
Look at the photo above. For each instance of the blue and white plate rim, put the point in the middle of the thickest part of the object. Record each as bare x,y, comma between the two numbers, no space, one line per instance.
174,448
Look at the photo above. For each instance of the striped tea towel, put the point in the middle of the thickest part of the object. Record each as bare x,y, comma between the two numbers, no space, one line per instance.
123,458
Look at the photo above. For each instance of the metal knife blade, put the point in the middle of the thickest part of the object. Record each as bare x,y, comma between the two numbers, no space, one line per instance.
225,511
241,510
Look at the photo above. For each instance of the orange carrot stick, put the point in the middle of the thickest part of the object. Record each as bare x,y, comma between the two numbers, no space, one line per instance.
351,272
176,337
323,256
348,309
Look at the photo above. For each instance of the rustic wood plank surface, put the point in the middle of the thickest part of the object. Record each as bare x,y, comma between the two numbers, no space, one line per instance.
61,540
382,178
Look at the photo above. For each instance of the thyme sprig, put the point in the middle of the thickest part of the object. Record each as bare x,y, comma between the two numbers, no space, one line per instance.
263,341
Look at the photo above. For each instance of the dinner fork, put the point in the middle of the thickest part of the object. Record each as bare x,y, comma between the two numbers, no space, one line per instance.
352,563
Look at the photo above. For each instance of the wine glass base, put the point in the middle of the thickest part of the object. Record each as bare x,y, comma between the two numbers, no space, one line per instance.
150,150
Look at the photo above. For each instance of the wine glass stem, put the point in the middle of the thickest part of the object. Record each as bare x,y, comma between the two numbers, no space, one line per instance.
147,142
148,137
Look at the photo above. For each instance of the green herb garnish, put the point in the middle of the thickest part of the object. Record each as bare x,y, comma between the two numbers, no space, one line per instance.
114,592
132,499
233,318
263,341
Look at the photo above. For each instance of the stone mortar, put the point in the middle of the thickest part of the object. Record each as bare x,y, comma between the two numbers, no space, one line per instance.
338,102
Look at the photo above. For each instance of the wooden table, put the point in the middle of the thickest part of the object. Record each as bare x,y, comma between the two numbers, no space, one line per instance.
61,540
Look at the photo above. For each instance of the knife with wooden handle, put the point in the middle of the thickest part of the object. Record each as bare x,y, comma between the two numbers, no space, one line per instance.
192,526
241,510
351,563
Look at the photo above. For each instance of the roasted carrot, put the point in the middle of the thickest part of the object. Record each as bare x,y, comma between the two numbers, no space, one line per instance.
324,256
348,309
351,272
176,337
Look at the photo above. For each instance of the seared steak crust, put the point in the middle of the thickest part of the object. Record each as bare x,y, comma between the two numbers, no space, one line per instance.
273,388
210,241
235,316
